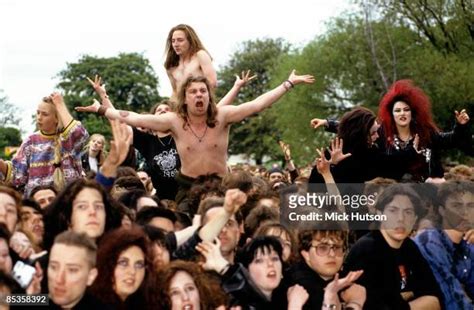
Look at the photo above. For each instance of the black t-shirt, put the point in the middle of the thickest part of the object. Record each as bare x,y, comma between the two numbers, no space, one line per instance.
389,272
162,160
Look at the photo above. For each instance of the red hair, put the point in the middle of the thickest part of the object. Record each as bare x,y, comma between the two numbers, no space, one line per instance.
421,122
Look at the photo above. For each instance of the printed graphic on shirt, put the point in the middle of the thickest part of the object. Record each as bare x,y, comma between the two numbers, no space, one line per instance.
403,277
166,161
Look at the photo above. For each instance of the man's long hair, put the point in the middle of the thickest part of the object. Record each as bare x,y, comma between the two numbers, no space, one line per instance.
195,45
421,119
182,109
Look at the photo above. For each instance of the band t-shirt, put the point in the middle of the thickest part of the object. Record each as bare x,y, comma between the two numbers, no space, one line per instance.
162,161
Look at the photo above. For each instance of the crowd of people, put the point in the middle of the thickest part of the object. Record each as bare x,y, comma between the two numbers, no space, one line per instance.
100,227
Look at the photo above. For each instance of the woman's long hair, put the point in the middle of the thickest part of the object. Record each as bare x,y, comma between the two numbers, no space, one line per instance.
354,129
110,248
421,117
195,45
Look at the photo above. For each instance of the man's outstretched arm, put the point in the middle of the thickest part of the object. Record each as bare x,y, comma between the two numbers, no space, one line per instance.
233,114
149,121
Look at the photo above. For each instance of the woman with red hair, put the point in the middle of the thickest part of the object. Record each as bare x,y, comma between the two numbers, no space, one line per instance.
408,126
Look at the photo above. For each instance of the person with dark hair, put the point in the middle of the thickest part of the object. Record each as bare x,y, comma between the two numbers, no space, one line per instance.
53,154
203,187
185,57
396,276
230,233
407,122
256,281
157,217
321,254
184,285
161,246
286,237
260,216
199,127
124,184
71,269
83,207
44,195
136,199
125,266
450,257
31,223
357,133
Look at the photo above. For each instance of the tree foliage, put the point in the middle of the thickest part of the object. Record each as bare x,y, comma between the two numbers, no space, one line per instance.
9,113
355,62
257,135
129,78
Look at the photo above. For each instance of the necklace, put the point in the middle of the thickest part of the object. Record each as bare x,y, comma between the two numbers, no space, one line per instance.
161,141
198,137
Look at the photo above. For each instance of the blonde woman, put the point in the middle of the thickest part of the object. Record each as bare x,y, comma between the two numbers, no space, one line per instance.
50,156
94,153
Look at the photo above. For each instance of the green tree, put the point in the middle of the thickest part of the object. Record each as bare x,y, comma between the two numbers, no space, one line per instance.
355,62
257,135
8,112
9,137
129,78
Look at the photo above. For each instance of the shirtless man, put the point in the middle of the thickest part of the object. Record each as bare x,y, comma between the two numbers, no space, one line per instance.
186,57
199,127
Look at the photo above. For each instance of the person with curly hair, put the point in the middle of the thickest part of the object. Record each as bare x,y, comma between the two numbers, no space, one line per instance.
125,267
185,284
83,207
407,123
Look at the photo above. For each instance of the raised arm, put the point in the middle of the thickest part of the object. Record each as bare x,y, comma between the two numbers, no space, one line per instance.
208,70
154,122
63,112
239,83
233,114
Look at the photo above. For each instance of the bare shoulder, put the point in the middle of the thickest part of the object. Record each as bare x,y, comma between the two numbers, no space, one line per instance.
203,55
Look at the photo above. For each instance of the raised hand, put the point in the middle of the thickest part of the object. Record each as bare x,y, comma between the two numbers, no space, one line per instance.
234,199
462,117
286,150
122,138
338,284
93,108
297,297
322,164
298,79
244,79
318,122
57,98
99,88
212,253
336,151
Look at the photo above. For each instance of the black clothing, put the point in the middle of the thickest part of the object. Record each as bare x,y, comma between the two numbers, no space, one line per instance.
88,302
300,273
389,271
162,161
243,292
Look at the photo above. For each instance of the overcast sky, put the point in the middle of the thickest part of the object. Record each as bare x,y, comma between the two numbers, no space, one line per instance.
38,37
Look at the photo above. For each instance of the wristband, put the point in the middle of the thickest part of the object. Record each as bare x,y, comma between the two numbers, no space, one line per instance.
101,111
105,181
291,83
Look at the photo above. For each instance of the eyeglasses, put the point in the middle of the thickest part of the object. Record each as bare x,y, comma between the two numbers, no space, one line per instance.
324,249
